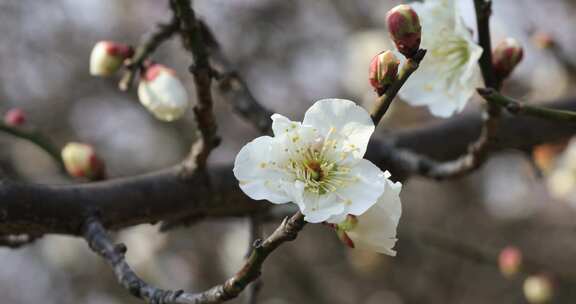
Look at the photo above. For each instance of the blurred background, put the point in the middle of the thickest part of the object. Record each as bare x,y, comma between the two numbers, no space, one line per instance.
291,53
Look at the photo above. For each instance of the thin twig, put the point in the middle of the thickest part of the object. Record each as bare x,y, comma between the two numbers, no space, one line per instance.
99,241
518,108
153,40
194,41
255,227
234,88
34,136
383,103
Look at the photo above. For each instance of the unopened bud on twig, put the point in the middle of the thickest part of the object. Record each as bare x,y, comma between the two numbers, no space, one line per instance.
405,30
14,117
506,57
162,93
510,261
107,57
538,289
81,161
383,71
543,40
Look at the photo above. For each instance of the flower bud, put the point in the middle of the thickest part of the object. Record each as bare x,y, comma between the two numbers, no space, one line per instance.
80,160
404,28
538,289
383,71
343,227
543,40
343,236
506,56
162,93
107,57
14,117
509,261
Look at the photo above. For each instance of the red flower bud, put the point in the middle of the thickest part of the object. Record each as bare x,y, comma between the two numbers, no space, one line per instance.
506,56
383,71
509,261
81,161
14,117
404,28
543,40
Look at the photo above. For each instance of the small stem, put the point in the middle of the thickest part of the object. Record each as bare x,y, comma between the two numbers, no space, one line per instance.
255,227
384,101
151,43
35,137
483,12
518,108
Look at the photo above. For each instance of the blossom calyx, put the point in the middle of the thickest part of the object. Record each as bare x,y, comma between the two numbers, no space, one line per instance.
81,161
15,117
383,71
510,261
162,93
405,29
506,57
107,57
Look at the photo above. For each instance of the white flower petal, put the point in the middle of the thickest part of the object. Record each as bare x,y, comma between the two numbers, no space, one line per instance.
376,229
319,208
281,124
347,118
258,178
449,74
363,193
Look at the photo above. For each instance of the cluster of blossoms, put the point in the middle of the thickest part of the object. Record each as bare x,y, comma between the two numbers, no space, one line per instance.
449,73
318,165
160,90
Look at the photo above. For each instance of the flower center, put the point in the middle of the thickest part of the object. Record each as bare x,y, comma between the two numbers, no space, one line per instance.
316,169
454,54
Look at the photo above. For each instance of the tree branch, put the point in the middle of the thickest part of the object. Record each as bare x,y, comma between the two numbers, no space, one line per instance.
518,108
165,195
35,137
234,89
194,41
385,100
99,241
151,43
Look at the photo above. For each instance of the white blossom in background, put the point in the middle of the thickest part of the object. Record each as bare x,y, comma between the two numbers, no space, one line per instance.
375,230
316,164
162,93
449,74
561,181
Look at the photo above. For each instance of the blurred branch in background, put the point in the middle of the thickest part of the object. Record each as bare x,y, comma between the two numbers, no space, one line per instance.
99,241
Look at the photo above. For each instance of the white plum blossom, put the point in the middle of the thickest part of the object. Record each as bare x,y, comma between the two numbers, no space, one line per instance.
375,229
162,93
316,164
449,73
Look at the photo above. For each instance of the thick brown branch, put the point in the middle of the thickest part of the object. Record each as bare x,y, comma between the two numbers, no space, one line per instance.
37,209
99,241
